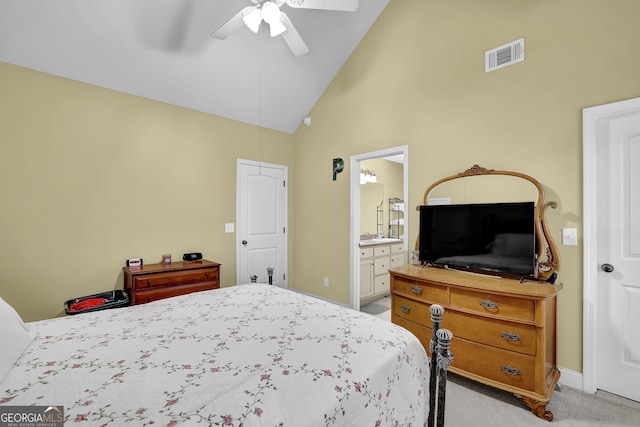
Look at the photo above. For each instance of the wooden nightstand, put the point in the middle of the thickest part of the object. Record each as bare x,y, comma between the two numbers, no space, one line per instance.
157,281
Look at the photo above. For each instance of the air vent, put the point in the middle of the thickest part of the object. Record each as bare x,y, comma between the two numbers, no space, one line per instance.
504,55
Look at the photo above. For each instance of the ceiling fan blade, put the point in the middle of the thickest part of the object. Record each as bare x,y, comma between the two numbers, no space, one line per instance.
293,38
343,5
232,24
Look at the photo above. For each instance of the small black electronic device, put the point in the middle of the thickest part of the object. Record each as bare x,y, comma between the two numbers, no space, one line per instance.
194,256
134,262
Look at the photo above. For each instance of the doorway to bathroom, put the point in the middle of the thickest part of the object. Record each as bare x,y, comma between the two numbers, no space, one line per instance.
377,219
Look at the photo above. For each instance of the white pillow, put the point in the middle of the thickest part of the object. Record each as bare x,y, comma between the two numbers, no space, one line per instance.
15,337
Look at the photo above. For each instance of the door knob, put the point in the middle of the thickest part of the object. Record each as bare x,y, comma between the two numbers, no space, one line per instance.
607,268
244,243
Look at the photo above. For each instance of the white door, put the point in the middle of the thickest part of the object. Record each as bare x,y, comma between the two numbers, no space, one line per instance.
618,253
261,215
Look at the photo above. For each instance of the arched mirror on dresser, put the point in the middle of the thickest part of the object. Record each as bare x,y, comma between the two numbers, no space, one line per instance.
478,185
501,310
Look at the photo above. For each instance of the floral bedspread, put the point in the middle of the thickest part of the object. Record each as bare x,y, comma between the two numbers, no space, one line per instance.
248,355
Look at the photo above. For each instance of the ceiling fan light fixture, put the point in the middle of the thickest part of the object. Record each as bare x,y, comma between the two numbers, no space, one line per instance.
273,16
279,23
277,28
253,19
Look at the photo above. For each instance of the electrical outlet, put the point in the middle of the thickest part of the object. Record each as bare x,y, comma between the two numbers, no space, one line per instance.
326,282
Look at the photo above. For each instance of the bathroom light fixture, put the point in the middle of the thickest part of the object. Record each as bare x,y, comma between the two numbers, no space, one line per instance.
367,176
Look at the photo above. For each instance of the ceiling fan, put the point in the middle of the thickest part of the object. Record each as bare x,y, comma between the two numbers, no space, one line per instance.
279,23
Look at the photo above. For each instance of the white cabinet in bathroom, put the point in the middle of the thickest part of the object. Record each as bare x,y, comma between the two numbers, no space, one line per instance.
376,258
366,272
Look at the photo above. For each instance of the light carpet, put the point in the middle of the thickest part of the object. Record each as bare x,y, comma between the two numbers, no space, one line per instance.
471,404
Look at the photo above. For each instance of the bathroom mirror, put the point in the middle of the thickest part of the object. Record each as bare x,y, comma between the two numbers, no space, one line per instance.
374,196
371,199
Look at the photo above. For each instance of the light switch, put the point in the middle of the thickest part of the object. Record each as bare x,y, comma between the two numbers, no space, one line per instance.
228,227
569,237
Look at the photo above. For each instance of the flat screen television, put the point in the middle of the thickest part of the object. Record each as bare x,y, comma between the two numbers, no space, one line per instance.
488,237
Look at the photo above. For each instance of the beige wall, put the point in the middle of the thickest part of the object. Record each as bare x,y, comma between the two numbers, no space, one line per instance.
90,177
418,78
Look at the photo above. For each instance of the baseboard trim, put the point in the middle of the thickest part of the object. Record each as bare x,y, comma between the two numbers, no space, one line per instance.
571,378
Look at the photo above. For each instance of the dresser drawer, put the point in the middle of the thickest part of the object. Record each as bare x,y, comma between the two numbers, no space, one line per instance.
512,336
154,294
414,311
504,366
429,293
381,265
173,278
496,305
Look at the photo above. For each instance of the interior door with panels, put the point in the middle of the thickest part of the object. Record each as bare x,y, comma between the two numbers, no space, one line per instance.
618,349
262,222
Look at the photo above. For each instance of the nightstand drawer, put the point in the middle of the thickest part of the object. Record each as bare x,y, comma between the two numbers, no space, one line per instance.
173,278
152,294
495,305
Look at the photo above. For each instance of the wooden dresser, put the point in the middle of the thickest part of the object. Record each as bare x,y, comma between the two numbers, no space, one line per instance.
504,331
157,281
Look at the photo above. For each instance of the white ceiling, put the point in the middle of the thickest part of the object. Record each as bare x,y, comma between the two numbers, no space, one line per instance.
162,50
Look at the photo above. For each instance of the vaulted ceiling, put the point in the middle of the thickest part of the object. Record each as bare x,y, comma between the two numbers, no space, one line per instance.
162,50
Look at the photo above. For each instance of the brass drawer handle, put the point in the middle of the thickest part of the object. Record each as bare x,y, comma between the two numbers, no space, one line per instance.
405,308
416,290
510,336
509,370
489,305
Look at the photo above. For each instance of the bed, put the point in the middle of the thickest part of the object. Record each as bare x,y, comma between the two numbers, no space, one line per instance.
245,355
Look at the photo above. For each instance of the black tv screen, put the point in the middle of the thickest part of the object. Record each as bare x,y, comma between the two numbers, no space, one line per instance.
491,237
